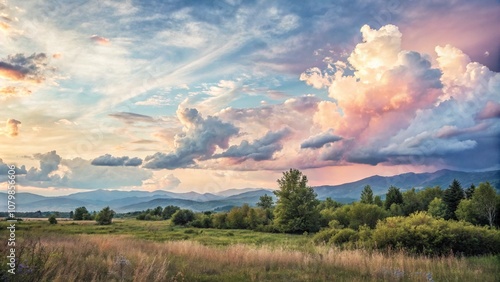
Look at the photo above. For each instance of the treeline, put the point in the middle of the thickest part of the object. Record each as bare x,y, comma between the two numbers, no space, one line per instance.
430,221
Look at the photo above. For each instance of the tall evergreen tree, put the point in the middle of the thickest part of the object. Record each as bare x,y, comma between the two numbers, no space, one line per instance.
470,191
297,207
367,195
265,202
393,196
452,197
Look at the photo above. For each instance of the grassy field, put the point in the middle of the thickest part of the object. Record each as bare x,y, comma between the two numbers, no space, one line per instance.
131,250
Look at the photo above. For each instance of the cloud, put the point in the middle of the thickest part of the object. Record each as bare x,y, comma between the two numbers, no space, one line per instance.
198,141
19,67
99,40
491,110
108,160
167,182
393,106
49,163
259,150
14,91
131,118
318,141
4,169
156,101
83,175
53,171
12,127
315,78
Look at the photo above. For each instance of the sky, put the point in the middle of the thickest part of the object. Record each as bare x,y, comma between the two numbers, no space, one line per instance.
212,95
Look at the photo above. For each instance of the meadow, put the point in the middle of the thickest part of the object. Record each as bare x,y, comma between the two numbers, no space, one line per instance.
132,250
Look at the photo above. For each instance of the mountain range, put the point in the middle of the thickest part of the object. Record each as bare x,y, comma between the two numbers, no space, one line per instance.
127,201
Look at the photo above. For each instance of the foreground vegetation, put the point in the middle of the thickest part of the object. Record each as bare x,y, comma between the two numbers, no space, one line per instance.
426,235
131,250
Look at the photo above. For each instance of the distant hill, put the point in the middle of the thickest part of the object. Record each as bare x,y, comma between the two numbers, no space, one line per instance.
127,201
380,184
231,192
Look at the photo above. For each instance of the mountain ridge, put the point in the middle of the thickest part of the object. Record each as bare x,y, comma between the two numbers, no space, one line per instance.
126,201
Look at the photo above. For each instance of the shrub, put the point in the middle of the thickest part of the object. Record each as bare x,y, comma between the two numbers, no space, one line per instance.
182,217
52,219
105,216
420,233
343,236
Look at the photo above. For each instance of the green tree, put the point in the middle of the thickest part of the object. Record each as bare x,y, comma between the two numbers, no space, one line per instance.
168,211
411,202
265,202
396,210
236,218
393,196
484,199
219,220
365,214
437,208
378,201
71,214
367,195
426,196
182,217
452,197
81,213
52,219
470,191
105,216
297,207
466,211
329,203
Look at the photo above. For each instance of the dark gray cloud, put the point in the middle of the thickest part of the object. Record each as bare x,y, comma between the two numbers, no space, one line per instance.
49,162
320,140
109,160
198,141
20,67
259,150
4,169
130,118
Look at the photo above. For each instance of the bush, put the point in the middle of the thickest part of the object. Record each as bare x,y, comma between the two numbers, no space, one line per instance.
420,233
105,216
182,217
343,236
52,219
324,236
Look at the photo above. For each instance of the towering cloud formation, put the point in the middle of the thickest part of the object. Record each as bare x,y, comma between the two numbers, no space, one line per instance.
397,107
198,141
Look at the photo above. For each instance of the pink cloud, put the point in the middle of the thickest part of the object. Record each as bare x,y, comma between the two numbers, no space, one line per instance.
491,110
100,40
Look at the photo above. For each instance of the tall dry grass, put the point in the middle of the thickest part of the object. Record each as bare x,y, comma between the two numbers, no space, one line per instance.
122,258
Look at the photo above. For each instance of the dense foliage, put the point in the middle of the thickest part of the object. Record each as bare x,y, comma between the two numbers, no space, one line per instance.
426,221
296,209
105,216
